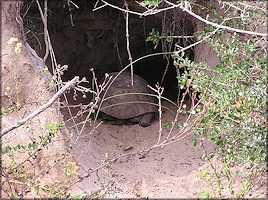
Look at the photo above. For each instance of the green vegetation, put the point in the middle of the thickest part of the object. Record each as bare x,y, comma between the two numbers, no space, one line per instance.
233,93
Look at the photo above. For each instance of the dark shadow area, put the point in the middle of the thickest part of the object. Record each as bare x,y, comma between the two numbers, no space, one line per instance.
85,39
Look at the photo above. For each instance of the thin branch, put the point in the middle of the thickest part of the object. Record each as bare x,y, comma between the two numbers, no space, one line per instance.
214,24
225,27
99,90
52,55
159,90
127,37
45,32
172,5
70,11
44,18
74,4
132,12
166,69
196,43
44,107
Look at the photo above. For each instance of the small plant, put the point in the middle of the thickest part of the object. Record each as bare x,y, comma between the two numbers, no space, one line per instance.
110,165
15,47
150,4
10,107
17,174
20,148
154,37
50,131
3,111
70,169
205,194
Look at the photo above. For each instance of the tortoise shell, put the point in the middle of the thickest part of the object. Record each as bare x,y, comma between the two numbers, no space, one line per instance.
126,105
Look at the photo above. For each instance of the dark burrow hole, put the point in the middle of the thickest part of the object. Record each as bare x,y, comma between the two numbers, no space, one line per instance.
97,39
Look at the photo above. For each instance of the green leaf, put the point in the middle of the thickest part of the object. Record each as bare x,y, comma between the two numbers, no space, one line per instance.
17,147
196,132
217,129
221,60
7,149
31,145
194,141
215,12
212,154
169,39
149,38
219,67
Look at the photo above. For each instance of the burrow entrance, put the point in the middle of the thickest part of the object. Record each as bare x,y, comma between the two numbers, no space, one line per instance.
85,39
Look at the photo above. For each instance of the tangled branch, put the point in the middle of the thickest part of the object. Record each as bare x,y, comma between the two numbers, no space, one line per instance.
184,7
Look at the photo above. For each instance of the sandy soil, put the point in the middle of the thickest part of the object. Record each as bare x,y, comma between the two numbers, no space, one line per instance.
164,172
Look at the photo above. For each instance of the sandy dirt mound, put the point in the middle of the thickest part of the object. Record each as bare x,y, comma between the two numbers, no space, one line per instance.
168,172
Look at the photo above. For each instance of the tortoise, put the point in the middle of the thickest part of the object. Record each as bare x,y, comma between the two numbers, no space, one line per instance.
128,108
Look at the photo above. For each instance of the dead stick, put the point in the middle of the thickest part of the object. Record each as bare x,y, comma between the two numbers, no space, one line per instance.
127,37
44,107
159,90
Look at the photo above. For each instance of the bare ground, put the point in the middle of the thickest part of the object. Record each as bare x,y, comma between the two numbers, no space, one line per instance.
171,171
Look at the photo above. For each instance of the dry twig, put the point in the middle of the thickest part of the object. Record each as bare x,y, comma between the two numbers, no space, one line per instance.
215,24
183,8
44,107
127,36
159,90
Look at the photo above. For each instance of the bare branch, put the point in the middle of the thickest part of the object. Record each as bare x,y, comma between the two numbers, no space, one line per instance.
44,18
44,107
185,8
214,24
159,90
127,36
149,12
198,42
48,43
225,27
